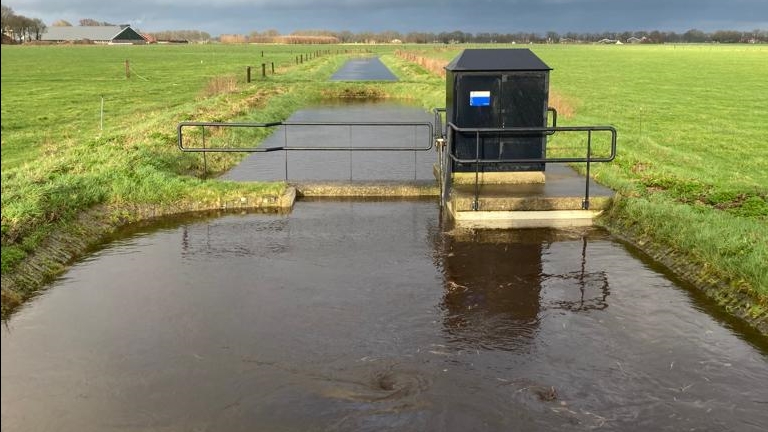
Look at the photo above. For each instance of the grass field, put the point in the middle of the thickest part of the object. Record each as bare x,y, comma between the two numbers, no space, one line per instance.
692,169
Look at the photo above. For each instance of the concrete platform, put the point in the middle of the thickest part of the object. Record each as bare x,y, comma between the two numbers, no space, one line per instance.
378,189
556,203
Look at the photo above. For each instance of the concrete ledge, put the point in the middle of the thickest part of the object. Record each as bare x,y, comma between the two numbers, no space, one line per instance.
519,177
288,198
523,219
462,202
335,189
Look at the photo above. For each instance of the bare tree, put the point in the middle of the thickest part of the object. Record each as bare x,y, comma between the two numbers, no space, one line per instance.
38,28
89,22
61,23
20,25
5,17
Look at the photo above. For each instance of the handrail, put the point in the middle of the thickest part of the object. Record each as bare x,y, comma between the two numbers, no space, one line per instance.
522,131
530,130
554,116
204,149
439,120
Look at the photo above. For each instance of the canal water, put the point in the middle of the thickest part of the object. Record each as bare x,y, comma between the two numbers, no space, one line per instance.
409,157
364,69
370,316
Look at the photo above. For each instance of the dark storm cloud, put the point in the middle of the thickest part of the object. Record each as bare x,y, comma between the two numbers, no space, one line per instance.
243,16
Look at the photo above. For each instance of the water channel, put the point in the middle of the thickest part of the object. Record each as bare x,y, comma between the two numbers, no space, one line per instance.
373,315
355,315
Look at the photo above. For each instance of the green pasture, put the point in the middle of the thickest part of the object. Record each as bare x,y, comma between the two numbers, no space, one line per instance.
692,169
60,158
54,93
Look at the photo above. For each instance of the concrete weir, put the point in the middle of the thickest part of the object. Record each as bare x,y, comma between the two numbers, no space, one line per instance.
557,202
525,199
553,198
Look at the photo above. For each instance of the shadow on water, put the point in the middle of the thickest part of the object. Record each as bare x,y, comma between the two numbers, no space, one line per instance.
354,315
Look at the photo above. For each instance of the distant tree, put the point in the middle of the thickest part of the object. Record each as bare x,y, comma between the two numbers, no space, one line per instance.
19,26
728,36
672,37
182,35
573,36
345,36
88,22
694,36
623,36
267,36
657,37
416,37
61,23
553,36
37,28
6,16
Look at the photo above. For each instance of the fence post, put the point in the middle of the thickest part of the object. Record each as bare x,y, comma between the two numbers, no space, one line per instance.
263,69
273,68
127,68
247,74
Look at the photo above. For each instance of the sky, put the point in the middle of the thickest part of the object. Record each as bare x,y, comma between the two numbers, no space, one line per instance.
474,16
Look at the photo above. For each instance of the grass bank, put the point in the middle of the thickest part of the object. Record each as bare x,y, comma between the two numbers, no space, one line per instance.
87,149
71,175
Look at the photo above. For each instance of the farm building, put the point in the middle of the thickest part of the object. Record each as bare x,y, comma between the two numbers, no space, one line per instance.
122,34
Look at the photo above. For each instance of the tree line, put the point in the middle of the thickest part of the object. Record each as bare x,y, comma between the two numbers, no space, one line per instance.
18,28
655,36
181,36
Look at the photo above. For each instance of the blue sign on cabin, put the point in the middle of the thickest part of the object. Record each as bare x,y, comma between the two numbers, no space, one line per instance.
479,98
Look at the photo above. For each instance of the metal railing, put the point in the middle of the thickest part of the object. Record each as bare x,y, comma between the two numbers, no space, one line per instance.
286,147
448,151
438,112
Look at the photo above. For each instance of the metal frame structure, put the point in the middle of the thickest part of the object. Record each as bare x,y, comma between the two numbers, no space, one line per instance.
452,129
443,141
286,148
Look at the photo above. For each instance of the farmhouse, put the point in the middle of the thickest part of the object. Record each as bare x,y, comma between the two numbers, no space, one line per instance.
111,35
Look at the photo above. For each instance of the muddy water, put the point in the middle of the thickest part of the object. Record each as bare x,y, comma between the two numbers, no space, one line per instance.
356,316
